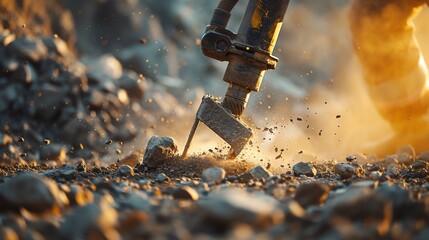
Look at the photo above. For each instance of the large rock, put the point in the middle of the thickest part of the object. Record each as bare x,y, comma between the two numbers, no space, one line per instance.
32,192
158,150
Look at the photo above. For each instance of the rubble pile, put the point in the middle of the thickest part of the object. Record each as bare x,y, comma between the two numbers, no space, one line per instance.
178,200
53,106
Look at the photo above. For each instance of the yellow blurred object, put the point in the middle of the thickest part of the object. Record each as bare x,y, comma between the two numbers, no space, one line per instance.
395,72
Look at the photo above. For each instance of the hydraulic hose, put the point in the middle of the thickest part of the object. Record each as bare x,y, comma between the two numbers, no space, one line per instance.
222,13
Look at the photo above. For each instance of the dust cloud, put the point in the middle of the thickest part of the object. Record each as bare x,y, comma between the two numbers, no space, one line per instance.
313,107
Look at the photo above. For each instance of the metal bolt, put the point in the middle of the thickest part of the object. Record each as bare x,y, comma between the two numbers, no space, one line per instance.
221,45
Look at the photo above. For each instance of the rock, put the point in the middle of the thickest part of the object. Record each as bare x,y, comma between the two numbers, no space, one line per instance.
5,140
392,171
28,48
345,170
260,172
424,156
66,171
25,73
133,85
32,192
389,160
8,95
53,152
406,154
313,193
364,184
419,164
137,200
186,193
354,204
79,196
94,220
162,178
105,68
303,168
234,206
125,171
375,175
158,150
57,45
214,174
375,167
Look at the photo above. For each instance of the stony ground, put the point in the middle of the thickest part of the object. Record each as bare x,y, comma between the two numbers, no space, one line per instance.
205,198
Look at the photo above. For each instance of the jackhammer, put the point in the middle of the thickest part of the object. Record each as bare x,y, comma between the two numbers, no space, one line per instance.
249,53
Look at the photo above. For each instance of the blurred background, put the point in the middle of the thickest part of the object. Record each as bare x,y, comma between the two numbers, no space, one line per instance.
314,104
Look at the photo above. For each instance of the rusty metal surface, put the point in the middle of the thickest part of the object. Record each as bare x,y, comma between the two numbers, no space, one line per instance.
224,124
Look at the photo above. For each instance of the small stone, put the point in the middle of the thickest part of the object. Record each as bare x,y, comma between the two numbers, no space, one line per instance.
125,171
5,140
419,164
350,158
214,174
375,167
25,73
389,160
375,175
424,156
392,171
162,178
81,167
79,196
158,150
303,168
313,193
235,206
53,152
186,193
345,170
406,154
260,172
